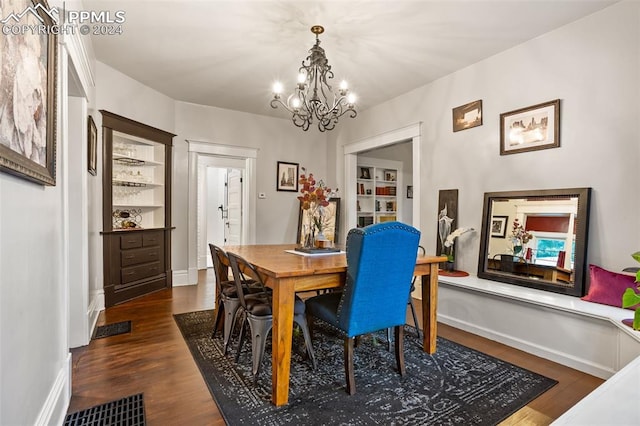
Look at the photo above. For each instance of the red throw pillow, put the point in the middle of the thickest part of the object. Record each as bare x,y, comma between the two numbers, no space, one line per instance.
607,287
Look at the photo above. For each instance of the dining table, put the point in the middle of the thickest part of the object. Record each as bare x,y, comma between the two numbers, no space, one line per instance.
288,272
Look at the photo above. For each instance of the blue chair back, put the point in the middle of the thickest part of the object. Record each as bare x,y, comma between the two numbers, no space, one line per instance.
381,259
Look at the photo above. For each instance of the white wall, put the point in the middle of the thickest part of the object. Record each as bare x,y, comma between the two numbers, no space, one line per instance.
34,275
275,139
592,65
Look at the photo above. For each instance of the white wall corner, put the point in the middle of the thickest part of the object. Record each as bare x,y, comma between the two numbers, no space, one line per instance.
185,277
54,409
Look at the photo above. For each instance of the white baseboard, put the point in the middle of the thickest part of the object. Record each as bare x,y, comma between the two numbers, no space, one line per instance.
54,409
568,360
96,305
185,277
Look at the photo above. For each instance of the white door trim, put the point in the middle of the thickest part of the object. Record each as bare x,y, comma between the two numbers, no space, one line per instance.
351,150
248,156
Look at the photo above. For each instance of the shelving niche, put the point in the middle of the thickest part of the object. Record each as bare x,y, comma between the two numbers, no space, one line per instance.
377,191
136,208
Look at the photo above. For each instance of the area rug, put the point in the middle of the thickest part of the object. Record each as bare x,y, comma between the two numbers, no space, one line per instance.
128,411
113,329
454,386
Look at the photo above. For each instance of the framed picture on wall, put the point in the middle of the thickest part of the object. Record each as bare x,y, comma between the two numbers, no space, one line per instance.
531,128
499,226
28,87
92,148
467,116
287,176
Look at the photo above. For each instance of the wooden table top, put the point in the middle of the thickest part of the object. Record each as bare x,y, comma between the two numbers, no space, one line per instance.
274,261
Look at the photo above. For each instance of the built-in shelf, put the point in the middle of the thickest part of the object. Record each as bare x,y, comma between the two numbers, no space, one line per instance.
136,209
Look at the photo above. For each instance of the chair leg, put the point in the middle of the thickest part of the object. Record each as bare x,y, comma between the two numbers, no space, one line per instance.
219,321
302,322
415,317
400,348
389,339
243,332
260,328
231,309
348,365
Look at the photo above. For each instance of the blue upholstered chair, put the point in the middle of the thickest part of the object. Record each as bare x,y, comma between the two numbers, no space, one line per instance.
256,310
381,259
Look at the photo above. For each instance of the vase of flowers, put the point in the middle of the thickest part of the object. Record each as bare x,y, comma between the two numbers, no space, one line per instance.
448,246
519,238
314,198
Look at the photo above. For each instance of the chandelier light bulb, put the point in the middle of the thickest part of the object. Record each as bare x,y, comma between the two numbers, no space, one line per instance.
313,100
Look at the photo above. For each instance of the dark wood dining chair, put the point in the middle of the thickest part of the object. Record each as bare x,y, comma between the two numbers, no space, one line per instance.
381,259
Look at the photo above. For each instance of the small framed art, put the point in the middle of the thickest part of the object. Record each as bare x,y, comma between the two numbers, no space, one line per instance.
287,176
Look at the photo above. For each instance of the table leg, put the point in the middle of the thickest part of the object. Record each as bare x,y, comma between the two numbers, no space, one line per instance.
429,308
283,301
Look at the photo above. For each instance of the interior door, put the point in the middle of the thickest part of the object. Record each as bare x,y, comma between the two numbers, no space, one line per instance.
233,229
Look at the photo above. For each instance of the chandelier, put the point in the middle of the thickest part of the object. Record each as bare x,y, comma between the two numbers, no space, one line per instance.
313,98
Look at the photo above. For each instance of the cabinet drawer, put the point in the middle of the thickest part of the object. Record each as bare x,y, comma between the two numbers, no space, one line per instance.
135,273
138,256
132,240
154,238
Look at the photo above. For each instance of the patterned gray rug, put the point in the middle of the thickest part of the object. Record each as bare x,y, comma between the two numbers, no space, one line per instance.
454,386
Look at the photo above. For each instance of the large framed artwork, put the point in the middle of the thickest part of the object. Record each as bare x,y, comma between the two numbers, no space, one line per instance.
287,176
330,221
531,128
28,97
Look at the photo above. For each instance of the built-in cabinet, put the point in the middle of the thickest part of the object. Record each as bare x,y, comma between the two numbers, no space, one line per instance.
136,208
378,191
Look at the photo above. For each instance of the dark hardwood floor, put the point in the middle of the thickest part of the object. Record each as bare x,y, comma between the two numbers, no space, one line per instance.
154,359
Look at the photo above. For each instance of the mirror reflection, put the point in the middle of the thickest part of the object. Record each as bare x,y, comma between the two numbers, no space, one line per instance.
536,239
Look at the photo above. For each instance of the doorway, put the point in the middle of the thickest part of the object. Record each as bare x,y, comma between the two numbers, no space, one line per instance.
409,134
222,213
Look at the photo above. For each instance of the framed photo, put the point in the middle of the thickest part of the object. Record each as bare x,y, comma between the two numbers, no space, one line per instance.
530,129
330,221
409,191
28,101
365,173
499,226
467,116
92,151
287,176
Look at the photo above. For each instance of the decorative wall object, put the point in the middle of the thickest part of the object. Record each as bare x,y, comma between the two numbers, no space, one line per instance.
287,176
531,128
447,217
467,116
92,148
330,221
499,226
409,191
28,101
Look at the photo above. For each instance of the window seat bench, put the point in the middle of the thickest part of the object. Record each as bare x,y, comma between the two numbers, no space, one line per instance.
587,336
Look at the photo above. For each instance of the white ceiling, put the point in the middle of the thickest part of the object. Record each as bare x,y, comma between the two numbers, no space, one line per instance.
228,53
